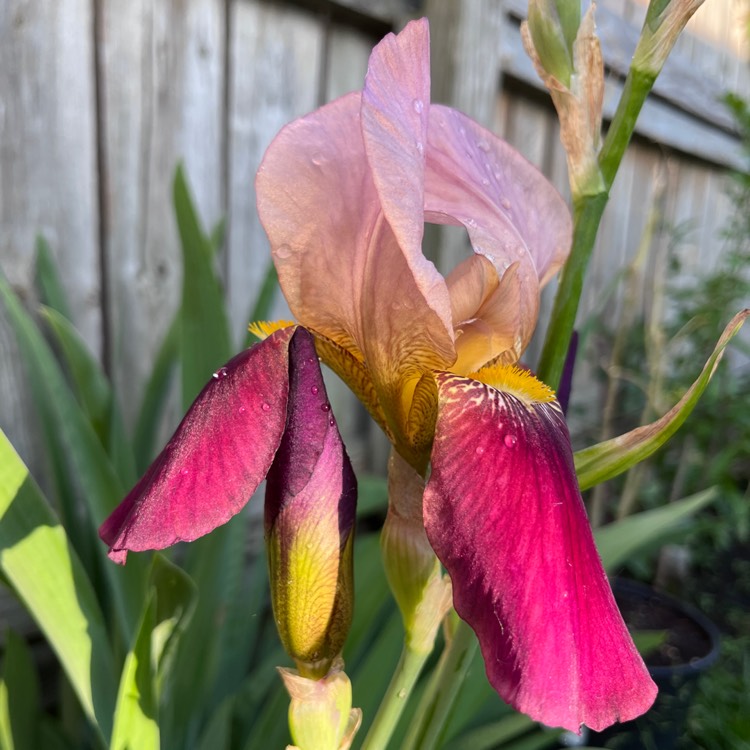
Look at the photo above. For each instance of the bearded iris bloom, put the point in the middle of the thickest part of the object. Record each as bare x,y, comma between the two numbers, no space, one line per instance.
344,194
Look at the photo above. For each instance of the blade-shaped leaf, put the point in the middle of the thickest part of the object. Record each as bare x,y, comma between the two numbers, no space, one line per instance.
155,398
136,720
94,394
264,302
205,342
48,279
37,559
610,458
169,606
19,696
617,541
78,453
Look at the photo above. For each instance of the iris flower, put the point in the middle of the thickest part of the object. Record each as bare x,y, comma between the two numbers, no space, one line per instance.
344,194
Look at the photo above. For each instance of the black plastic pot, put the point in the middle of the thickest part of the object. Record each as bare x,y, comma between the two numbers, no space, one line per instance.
690,648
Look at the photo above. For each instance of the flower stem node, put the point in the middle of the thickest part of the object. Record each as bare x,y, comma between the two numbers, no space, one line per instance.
321,716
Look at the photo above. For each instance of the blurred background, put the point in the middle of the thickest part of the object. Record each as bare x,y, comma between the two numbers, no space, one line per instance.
100,100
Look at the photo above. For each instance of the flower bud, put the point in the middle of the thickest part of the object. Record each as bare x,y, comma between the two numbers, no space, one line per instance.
309,522
321,716
413,571
664,23
575,83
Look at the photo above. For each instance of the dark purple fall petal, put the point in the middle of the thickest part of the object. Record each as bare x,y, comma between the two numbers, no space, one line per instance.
310,509
504,514
216,458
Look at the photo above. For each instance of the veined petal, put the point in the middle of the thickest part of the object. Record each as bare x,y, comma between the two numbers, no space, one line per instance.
216,458
503,513
311,497
340,265
395,113
513,215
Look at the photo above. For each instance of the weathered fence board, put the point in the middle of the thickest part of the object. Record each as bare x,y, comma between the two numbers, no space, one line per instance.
163,78
210,82
48,175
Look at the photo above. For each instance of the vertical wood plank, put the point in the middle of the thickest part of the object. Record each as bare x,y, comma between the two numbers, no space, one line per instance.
48,179
163,84
274,58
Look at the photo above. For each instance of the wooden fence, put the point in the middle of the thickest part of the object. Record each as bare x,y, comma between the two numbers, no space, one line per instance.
100,99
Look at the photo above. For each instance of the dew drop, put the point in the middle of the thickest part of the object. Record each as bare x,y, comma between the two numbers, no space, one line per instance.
221,373
510,440
485,181
311,360
483,145
242,409
266,407
332,421
283,252
418,106
402,693
184,472
479,450
318,160
325,407
505,203
420,148
565,594
314,390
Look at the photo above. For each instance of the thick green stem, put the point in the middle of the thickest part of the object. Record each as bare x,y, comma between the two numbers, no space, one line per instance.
588,210
587,215
434,711
395,699
638,85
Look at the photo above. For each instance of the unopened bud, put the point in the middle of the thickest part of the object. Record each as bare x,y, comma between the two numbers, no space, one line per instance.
310,509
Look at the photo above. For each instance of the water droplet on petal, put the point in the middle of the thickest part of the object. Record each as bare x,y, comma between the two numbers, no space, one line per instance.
314,390
184,472
505,203
242,409
510,440
483,145
332,421
283,252
402,693
485,181
479,450
266,407
418,105
221,373
318,160
420,148
325,407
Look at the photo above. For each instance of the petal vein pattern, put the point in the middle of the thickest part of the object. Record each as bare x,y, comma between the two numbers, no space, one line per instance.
504,515
216,458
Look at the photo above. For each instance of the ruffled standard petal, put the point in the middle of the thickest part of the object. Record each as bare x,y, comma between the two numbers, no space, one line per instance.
311,497
340,265
503,513
216,458
513,215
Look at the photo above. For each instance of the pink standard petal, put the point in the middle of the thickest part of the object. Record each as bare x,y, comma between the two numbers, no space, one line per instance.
513,215
216,459
395,114
340,266
504,515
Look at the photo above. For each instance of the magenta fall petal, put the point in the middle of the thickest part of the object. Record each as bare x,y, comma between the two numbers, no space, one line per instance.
216,458
504,514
